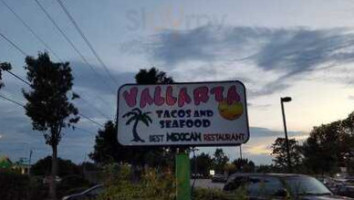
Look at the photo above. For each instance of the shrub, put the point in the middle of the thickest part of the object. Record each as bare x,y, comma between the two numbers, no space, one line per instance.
14,186
217,194
72,184
153,185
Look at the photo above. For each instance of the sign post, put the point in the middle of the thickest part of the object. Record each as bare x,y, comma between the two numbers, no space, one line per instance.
183,189
183,115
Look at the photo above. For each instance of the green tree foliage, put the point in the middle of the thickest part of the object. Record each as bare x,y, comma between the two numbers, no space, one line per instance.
48,104
153,185
152,155
280,153
244,165
65,167
203,163
14,186
267,169
220,160
329,146
152,76
107,149
89,166
4,67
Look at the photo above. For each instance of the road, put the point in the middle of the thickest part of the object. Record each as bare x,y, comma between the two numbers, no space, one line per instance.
206,183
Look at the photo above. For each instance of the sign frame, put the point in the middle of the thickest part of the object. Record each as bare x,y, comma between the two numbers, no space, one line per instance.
188,145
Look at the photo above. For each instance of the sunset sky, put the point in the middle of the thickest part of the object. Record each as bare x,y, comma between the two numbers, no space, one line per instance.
303,49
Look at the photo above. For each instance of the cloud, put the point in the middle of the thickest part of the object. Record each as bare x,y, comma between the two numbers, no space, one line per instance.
277,55
265,132
97,92
259,150
206,43
292,50
99,82
259,106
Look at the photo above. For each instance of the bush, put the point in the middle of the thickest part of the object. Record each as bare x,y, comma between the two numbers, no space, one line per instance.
217,194
14,186
72,184
153,185
65,167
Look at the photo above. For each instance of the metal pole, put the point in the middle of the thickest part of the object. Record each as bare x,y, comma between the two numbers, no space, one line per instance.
286,136
29,163
241,151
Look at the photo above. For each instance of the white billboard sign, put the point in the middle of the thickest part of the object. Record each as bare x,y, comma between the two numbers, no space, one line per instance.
183,114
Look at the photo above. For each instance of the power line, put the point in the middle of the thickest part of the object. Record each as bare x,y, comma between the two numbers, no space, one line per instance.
87,102
22,105
86,41
85,130
91,120
25,54
13,44
70,42
12,101
24,81
21,51
19,78
31,30
94,107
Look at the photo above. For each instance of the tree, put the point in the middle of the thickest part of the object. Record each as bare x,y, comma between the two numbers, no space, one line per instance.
48,104
65,167
324,149
230,168
137,116
152,155
107,149
4,67
244,165
220,160
330,146
267,169
152,76
280,153
202,163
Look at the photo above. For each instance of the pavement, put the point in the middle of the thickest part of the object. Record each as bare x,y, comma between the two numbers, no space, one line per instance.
206,183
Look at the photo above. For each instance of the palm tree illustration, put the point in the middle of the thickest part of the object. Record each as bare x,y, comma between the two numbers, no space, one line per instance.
136,116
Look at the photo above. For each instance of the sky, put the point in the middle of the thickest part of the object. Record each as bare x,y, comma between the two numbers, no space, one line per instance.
303,49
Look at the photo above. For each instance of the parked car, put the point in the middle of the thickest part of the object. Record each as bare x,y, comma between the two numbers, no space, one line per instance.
218,178
345,190
90,193
334,184
197,175
279,186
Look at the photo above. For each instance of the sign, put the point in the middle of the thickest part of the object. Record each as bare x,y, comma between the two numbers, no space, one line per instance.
187,114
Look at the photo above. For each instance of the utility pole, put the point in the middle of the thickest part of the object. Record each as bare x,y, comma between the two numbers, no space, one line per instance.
282,100
29,163
241,151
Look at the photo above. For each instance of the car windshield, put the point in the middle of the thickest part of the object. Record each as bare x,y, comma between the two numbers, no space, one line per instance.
263,186
306,186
